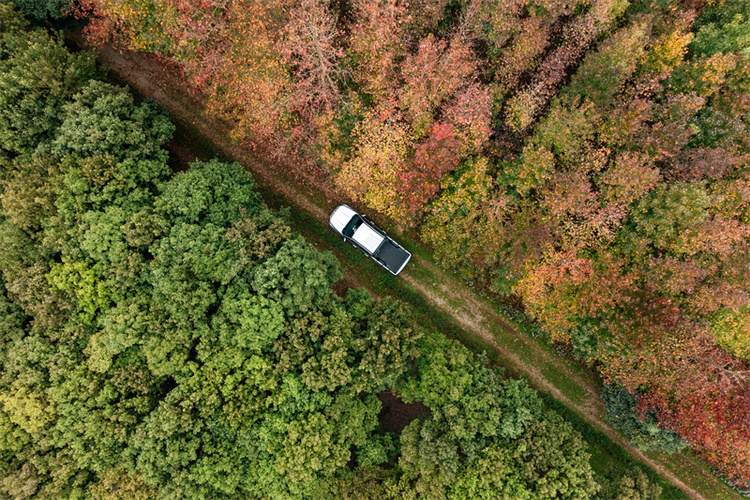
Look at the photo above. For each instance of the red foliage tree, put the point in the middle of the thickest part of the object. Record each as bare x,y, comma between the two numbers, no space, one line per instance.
701,391
670,132
568,195
432,75
702,163
470,112
437,155
309,46
378,43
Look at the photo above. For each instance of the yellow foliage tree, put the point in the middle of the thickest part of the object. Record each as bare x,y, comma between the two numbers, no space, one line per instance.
381,157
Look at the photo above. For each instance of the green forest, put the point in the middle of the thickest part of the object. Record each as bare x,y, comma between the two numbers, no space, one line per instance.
167,335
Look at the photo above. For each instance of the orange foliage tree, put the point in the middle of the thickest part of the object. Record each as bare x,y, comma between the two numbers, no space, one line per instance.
193,33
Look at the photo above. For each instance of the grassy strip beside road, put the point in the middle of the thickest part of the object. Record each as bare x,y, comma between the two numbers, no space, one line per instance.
441,301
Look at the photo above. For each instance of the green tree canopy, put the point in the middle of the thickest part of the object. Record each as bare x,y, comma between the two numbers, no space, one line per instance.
41,9
486,436
104,118
37,77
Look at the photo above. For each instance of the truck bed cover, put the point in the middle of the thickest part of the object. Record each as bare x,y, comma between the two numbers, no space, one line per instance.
394,257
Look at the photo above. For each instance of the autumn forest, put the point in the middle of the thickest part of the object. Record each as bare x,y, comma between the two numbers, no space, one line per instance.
583,163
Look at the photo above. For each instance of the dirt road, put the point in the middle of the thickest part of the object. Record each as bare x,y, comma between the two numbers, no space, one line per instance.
443,291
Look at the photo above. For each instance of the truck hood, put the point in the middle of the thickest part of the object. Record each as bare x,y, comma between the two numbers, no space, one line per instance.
341,217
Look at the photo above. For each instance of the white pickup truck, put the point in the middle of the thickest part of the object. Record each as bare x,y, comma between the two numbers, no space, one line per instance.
362,233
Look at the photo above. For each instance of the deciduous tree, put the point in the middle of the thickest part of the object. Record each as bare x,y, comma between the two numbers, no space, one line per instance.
104,118
432,75
38,76
523,108
381,154
378,44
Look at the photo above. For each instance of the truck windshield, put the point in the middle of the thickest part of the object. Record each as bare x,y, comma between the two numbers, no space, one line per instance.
352,226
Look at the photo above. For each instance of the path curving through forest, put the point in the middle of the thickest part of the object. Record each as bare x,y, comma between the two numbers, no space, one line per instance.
152,79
